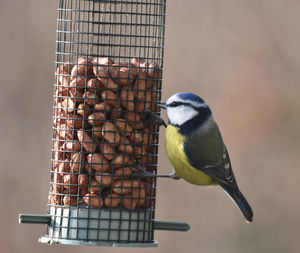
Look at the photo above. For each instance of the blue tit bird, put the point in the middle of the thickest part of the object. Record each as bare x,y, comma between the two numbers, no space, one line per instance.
196,149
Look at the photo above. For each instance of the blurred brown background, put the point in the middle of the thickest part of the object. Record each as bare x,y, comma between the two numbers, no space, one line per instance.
241,56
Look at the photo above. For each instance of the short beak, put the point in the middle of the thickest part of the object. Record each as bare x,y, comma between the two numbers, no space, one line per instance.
163,105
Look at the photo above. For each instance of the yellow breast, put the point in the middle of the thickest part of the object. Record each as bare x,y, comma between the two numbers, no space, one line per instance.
174,147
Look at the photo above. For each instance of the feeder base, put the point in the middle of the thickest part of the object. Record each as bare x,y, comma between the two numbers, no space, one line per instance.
105,227
51,241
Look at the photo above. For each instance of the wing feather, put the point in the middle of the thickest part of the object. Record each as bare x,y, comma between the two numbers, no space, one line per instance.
207,152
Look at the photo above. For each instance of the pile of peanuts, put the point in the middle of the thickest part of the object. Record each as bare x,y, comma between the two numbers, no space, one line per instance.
100,136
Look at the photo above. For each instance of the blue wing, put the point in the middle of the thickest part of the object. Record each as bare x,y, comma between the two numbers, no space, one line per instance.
207,152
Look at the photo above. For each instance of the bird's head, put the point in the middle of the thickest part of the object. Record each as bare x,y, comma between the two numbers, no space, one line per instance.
186,107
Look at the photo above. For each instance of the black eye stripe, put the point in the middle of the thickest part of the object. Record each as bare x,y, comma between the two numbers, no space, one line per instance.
175,104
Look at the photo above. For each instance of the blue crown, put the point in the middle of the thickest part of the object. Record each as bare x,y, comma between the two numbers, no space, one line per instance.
190,96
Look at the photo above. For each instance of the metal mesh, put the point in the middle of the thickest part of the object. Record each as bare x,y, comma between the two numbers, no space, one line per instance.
109,60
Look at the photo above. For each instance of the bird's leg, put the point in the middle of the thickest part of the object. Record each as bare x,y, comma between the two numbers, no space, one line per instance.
139,171
151,117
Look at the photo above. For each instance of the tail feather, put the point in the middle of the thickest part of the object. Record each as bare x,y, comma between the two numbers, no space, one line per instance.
239,199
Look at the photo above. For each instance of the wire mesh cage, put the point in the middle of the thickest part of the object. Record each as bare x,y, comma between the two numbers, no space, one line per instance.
109,67
109,62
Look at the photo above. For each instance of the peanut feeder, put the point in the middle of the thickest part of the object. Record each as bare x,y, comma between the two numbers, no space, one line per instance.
109,64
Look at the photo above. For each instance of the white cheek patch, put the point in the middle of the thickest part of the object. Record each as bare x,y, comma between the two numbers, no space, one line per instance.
181,114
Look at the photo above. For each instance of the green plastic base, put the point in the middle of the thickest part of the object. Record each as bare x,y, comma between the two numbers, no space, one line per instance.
51,241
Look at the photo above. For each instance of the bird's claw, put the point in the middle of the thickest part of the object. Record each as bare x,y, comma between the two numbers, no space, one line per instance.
173,175
150,116
139,171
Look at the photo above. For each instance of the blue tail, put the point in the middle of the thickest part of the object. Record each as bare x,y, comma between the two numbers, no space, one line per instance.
235,194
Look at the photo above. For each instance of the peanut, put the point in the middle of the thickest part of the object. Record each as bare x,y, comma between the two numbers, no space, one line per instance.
136,137
64,132
86,141
97,132
109,97
93,83
96,119
121,74
122,186
137,61
74,121
139,89
139,192
137,196
149,160
116,113
128,202
120,160
95,187
127,99
134,120
70,201
110,133
64,167
102,107
154,107
146,104
83,67
109,84
104,178
66,67
63,79
112,200
77,162
78,83
98,162
140,151
148,203
150,194
149,186
76,96
91,199
70,179
58,154
153,71
57,186
83,180
91,98
68,105
107,150
101,65
88,168
84,110
125,145
72,145
63,73
59,113
123,127
148,137
71,183
60,93
122,172
55,199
